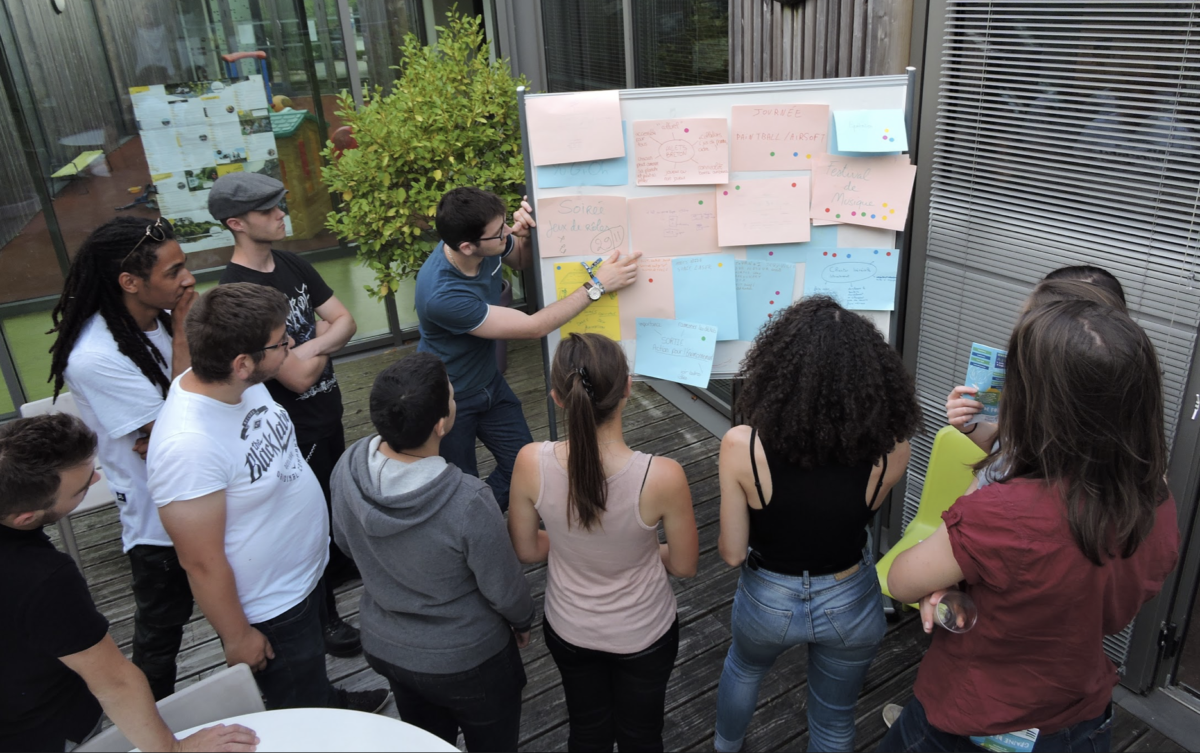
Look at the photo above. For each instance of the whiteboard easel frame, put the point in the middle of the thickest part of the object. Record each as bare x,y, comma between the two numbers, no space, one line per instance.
774,87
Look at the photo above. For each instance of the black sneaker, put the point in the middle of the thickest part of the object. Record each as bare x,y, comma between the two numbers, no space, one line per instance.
341,638
366,701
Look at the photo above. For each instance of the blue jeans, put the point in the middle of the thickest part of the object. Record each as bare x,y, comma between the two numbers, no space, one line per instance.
842,623
912,731
296,677
493,415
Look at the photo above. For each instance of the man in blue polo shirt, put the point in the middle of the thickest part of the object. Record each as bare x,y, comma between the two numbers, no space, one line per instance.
458,305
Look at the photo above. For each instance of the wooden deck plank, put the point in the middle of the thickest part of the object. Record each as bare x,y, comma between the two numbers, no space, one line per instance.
652,425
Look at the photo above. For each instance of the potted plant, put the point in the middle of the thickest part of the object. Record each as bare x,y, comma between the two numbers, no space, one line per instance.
449,120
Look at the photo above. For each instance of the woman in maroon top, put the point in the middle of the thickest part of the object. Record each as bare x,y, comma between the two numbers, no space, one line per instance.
1075,535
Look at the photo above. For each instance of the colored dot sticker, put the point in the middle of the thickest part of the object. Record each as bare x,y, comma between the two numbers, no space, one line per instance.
893,211
701,202
768,316
770,253
702,338
835,255
872,216
876,253
826,209
885,138
776,292
724,193
854,214
885,130
720,264
885,217
885,206
824,253
685,130
793,185
808,156
652,279
737,188
558,266
795,154
772,154
889,253
891,139
838,216
771,302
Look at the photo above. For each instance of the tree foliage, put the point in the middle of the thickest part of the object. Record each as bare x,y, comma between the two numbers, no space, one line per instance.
449,120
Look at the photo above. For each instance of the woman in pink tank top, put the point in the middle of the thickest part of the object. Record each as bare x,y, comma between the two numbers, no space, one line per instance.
610,613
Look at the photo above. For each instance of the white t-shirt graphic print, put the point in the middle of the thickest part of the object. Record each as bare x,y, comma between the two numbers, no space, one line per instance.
276,527
115,399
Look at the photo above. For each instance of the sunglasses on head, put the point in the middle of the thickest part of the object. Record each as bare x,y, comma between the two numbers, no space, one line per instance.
158,232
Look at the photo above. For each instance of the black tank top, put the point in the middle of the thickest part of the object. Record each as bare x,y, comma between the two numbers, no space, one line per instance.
816,520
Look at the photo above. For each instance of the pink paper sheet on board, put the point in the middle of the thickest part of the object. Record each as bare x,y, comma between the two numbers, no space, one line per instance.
578,127
687,151
763,210
582,225
675,225
871,191
778,137
652,296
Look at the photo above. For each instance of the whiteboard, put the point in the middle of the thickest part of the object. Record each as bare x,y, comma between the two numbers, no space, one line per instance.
870,93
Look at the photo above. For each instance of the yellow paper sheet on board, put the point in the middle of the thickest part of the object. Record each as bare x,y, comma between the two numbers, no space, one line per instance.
600,316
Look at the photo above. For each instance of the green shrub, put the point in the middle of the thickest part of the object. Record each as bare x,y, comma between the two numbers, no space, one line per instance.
449,120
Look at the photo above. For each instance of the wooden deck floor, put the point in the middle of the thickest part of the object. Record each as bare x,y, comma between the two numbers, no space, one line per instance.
652,425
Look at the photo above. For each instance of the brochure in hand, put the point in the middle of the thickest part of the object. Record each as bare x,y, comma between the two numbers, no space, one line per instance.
985,372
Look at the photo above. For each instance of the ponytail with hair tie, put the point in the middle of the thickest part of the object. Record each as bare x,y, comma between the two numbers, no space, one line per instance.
587,382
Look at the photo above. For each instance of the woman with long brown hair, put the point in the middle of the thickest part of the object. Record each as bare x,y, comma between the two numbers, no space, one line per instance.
1077,531
610,620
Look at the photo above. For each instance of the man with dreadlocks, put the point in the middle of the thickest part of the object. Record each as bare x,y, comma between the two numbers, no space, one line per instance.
120,342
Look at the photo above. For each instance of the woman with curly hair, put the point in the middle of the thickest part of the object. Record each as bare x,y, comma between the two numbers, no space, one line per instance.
828,409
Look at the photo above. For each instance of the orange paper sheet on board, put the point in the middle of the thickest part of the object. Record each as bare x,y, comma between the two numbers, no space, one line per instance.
871,191
778,137
763,210
578,127
676,225
582,225
652,296
688,151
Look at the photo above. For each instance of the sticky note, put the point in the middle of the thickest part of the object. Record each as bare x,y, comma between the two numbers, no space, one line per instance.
675,225
651,297
763,210
601,317
825,236
706,292
576,127
777,137
688,151
871,191
870,130
858,278
763,289
601,172
582,226
678,351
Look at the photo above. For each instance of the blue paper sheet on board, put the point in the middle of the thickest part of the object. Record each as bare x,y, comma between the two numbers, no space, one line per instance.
706,292
872,131
835,147
822,236
858,278
675,350
601,172
763,288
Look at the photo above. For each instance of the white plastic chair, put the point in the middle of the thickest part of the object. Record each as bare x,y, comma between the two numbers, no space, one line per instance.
99,495
230,692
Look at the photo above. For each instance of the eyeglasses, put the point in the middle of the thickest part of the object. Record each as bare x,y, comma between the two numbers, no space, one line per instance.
504,231
285,343
158,232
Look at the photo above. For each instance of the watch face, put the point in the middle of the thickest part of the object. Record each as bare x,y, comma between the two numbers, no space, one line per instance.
594,293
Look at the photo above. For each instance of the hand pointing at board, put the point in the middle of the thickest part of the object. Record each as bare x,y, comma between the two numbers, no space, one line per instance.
618,272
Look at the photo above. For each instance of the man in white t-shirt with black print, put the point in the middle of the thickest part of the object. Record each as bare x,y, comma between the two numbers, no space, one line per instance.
116,349
245,511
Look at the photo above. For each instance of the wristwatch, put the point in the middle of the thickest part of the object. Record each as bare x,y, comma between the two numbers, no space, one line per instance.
594,291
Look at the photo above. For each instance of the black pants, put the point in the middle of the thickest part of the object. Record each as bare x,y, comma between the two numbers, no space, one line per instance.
617,697
164,605
484,702
296,677
322,455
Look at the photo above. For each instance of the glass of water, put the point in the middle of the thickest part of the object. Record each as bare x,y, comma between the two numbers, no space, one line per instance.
956,612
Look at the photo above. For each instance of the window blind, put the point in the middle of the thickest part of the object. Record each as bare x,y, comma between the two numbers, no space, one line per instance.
585,44
1066,133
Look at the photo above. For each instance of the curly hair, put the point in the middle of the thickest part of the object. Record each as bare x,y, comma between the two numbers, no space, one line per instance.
92,286
823,387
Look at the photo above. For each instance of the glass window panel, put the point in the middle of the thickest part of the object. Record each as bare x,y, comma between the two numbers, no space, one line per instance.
30,348
681,42
585,44
349,279
379,28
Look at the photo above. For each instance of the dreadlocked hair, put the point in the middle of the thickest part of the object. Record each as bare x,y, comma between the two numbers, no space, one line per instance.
92,286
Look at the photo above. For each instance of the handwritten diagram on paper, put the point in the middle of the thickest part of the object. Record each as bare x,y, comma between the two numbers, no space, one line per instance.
689,151
765,210
576,127
706,292
763,289
582,226
601,172
778,137
675,225
652,296
871,191
824,236
870,130
601,317
678,351
858,278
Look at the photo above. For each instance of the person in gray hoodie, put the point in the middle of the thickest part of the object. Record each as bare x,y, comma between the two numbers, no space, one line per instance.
445,605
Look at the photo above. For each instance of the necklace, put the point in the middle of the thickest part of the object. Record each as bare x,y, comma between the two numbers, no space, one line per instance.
450,258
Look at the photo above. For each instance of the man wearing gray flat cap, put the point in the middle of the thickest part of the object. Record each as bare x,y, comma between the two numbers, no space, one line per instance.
249,204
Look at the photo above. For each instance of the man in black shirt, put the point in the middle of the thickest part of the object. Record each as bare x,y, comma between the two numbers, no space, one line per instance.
59,668
250,206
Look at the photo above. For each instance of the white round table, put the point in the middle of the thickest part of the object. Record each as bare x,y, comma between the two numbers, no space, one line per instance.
331,730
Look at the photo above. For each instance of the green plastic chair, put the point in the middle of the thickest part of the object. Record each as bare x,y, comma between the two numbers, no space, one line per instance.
948,476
